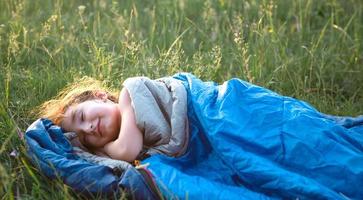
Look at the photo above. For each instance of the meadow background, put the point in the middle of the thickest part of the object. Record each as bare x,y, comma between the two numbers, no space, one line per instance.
311,50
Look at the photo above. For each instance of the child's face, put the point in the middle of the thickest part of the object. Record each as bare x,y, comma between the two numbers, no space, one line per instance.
97,122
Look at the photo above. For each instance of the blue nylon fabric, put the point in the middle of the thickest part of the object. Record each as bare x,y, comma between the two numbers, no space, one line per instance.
51,152
248,142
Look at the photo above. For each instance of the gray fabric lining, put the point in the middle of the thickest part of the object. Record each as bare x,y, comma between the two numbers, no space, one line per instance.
161,114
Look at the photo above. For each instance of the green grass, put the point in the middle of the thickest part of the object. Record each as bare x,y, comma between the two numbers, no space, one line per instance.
311,50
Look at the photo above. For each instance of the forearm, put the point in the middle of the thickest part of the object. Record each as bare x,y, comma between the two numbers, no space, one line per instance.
130,140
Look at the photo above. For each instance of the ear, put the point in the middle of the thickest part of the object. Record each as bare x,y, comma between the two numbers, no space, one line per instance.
101,95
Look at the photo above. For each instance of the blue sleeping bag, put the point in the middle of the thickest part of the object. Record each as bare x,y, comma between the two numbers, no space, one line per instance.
248,142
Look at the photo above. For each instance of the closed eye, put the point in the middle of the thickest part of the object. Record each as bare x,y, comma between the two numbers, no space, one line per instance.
82,116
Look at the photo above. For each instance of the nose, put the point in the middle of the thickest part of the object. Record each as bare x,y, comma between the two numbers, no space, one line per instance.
88,128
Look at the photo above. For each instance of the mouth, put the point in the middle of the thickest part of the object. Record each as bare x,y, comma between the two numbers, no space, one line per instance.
98,127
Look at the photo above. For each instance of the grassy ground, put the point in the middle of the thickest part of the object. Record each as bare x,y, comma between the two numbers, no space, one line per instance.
311,50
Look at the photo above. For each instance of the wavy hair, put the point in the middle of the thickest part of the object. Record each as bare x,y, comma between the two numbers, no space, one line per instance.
73,94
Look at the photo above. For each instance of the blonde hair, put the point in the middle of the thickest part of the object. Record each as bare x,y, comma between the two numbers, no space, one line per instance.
73,94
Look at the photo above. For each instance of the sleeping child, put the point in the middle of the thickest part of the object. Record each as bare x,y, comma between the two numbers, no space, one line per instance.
204,140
